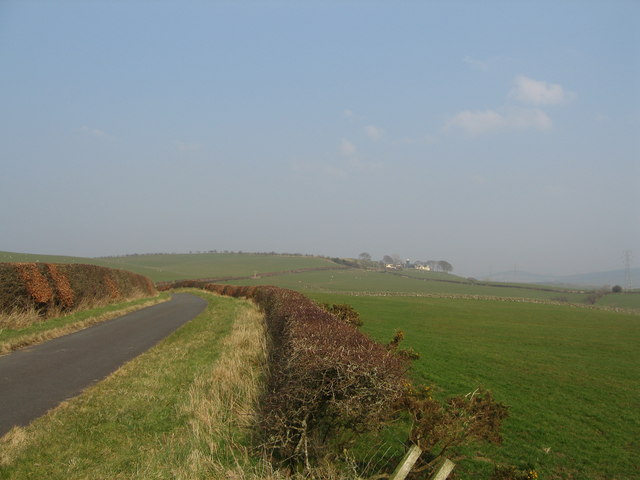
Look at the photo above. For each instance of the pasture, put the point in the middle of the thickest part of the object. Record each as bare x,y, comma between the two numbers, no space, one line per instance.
171,267
368,282
570,376
168,267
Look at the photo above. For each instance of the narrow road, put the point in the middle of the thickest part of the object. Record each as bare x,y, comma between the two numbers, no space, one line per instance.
36,379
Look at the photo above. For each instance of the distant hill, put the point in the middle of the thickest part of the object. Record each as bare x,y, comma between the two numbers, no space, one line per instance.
594,279
170,267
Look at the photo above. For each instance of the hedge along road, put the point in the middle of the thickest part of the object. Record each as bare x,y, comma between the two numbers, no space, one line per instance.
36,379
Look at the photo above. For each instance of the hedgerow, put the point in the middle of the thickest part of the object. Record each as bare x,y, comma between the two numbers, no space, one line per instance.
51,288
327,379
328,383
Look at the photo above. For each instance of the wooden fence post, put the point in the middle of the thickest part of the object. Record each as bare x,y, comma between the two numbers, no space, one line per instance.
407,463
445,469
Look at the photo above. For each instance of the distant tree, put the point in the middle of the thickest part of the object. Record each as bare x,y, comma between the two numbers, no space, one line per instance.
387,259
397,260
445,266
616,289
365,257
432,264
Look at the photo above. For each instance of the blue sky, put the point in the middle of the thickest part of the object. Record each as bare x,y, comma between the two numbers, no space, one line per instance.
489,134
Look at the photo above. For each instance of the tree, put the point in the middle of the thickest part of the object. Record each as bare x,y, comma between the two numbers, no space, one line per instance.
365,257
445,266
387,260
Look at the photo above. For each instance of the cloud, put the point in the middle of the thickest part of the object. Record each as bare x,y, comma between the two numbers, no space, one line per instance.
536,92
347,113
476,64
490,121
374,133
475,122
347,148
523,119
91,132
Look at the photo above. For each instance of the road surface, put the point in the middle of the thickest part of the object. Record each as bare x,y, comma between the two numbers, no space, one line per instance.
38,378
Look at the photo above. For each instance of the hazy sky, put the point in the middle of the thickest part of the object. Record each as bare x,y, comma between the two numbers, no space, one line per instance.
488,134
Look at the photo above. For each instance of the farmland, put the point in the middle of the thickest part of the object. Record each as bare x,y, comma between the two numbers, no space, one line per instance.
167,267
568,370
319,274
570,375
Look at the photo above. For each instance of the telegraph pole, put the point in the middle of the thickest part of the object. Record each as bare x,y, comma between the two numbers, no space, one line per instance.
628,282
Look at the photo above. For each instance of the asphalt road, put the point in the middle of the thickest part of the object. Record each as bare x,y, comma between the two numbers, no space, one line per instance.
38,378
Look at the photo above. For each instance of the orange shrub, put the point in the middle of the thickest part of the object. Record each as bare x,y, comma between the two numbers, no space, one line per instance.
37,285
51,287
111,286
63,288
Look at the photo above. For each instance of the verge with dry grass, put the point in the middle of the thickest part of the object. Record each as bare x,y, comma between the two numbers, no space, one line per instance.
19,330
181,410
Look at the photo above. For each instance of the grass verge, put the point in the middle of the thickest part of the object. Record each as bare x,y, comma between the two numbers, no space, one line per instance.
159,415
27,333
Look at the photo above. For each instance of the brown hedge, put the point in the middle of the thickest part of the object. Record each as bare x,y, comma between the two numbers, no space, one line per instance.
327,380
51,287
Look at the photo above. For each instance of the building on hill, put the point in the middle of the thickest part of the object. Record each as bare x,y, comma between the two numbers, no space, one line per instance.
419,266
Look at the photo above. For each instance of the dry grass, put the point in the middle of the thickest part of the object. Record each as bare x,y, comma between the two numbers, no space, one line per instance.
222,405
22,320
184,410
12,444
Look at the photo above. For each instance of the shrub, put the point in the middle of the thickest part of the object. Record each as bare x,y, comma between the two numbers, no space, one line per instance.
37,285
50,288
437,427
327,379
344,312
616,289
328,383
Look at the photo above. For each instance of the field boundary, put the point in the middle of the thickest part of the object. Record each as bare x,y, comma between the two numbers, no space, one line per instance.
531,286
168,284
467,296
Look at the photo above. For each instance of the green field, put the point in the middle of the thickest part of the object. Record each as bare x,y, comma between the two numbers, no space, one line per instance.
161,268
570,375
368,282
169,267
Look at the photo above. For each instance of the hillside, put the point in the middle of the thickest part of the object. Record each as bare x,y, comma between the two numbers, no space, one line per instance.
169,267
320,274
592,279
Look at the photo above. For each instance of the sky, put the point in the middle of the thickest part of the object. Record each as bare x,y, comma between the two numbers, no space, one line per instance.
495,135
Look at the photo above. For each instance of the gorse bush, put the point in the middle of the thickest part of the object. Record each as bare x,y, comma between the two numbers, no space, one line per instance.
51,288
437,428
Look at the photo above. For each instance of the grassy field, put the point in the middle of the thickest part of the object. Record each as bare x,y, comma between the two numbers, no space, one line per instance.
178,411
217,265
570,375
160,268
366,282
